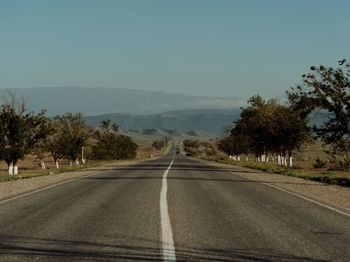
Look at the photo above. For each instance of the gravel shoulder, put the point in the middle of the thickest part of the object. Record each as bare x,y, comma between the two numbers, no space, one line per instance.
332,195
13,188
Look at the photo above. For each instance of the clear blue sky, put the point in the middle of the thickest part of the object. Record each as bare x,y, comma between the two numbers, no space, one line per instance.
221,48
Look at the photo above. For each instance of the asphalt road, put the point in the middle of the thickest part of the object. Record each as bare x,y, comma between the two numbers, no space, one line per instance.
214,215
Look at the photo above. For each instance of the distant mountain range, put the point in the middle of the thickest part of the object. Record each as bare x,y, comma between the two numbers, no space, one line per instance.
208,121
157,133
101,100
140,112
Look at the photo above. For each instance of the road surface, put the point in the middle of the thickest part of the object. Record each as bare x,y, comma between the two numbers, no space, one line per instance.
172,208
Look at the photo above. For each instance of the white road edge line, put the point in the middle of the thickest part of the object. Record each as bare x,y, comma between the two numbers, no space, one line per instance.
297,195
168,248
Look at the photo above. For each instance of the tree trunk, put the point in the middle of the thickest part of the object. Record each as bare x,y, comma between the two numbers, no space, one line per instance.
15,169
239,158
246,159
77,162
10,168
57,165
70,162
42,164
290,159
82,155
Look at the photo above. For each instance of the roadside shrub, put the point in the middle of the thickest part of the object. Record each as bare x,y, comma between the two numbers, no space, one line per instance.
191,143
319,163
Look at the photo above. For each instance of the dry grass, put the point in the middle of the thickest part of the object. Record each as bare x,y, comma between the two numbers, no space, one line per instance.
303,164
30,166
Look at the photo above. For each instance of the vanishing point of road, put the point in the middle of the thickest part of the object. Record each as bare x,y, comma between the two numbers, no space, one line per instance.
173,208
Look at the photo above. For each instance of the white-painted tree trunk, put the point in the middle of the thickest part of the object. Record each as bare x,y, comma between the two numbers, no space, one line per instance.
285,160
267,158
77,162
57,165
10,169
246,158
263,158
70,162
290,160
238,158
258,158
15,169
82,155
282,160
42,164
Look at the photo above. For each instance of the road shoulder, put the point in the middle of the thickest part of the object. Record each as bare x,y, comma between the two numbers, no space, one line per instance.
14,188
331,195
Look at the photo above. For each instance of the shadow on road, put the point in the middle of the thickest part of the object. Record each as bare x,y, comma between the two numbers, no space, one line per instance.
19,248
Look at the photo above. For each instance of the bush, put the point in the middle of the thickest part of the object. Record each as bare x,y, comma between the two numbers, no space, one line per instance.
191,143
319,163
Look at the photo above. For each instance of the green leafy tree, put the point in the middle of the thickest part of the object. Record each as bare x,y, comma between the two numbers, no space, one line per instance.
328,89
110,145
20,131
71,136
267,127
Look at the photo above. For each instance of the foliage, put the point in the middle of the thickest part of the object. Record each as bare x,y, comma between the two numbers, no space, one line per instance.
159,144
73,133
340,154
328,89
191,143
266,127
20,130
319,163
110,145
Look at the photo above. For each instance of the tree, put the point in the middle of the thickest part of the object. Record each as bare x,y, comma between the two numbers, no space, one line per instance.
125,147
110,145
267,127
327,89
20,131
73,134
56,142
159,144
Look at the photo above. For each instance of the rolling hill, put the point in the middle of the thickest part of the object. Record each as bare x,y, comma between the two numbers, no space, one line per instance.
102,100
208,121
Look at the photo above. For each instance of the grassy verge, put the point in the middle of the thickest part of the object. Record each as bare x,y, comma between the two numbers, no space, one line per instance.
329,177
47,172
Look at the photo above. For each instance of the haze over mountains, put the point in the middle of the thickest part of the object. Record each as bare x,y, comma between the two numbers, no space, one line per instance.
210,121
142,112
135,109
101,100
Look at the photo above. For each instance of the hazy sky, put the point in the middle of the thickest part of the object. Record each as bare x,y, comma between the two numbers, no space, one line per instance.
214,48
